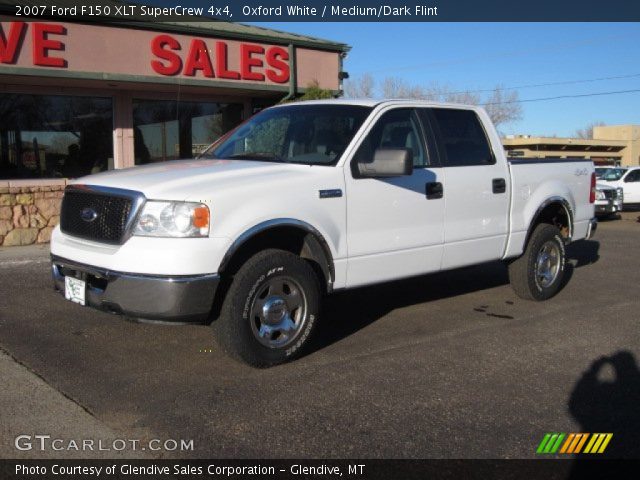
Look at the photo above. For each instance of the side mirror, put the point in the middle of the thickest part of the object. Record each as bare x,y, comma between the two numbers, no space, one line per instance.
388,162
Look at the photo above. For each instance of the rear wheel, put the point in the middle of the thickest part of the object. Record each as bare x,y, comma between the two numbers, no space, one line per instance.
270,310
538,273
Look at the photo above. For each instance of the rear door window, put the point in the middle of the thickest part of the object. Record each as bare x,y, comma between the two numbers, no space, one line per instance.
460,136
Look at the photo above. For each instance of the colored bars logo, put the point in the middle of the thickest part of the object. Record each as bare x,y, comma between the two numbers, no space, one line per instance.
574,442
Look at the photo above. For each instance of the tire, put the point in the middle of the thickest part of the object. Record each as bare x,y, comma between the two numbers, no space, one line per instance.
270,310
534,277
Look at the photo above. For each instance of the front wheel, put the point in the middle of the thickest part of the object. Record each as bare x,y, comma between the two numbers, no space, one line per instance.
270,310
538,273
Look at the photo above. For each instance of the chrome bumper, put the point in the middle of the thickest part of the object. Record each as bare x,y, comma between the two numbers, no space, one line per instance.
593,226
607,208
186,299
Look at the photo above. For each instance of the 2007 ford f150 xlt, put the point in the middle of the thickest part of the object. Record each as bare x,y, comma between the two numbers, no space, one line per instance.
307,198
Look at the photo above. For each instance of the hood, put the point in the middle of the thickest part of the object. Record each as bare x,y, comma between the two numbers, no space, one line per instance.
604,186
182,179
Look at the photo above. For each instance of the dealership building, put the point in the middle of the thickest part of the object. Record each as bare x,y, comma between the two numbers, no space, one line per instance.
80,98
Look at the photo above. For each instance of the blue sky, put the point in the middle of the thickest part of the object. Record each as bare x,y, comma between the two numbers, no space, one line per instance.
480,55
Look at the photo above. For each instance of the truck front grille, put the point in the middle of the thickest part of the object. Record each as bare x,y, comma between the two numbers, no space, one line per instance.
609,193
96,216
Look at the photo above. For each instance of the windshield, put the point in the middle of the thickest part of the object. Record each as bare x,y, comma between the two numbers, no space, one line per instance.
306,134
600,171
613,174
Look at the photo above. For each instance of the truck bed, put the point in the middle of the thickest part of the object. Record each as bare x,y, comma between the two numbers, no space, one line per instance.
535,182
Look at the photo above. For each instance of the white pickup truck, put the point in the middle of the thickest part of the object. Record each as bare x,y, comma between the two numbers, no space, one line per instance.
304,199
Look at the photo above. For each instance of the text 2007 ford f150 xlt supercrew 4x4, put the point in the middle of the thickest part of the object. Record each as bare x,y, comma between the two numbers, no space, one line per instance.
307,198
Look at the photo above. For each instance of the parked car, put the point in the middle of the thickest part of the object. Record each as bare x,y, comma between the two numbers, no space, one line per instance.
609,200
628,179
308,198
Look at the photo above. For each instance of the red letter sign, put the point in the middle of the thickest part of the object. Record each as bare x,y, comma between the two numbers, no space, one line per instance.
174,64
198,59
247,62
42,44
222,63
277,58
9,47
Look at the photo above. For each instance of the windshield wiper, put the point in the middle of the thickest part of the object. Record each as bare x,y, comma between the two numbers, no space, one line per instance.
259,156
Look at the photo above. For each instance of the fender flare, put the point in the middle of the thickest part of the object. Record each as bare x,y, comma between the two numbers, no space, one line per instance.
567,208
318,244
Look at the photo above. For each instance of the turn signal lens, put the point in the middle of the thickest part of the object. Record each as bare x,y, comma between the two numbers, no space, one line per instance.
201,217
592,194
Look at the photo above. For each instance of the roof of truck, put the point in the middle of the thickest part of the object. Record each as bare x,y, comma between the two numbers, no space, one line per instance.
369,102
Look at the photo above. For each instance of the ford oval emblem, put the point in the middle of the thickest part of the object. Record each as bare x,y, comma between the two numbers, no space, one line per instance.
88,214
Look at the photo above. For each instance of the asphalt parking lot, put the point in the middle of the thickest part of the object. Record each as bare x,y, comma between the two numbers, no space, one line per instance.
452,365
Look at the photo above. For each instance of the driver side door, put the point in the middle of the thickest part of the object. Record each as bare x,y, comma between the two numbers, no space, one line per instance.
394,229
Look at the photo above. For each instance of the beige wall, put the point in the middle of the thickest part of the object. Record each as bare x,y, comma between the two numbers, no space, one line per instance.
315,66
627,133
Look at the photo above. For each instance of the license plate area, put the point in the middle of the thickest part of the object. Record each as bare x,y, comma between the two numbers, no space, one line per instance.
75,290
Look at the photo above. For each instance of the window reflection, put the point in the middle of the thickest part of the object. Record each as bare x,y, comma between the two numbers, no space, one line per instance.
170,130
44,136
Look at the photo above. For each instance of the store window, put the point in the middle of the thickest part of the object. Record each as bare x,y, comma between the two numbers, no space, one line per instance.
48,136
170,130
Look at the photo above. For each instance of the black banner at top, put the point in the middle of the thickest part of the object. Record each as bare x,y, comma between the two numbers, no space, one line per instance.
331,10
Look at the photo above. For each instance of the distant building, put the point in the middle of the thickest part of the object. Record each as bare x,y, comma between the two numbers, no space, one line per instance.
611,145
630,134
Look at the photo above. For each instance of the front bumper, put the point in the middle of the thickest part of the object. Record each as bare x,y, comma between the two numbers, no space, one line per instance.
606,207
180,298
593,226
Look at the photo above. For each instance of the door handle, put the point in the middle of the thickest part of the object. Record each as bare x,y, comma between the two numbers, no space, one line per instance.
434,190
499,185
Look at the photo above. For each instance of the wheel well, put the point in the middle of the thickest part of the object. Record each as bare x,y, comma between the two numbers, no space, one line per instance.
284,237
294,239
556,214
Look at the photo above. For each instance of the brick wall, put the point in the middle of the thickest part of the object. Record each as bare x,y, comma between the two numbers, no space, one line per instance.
28,214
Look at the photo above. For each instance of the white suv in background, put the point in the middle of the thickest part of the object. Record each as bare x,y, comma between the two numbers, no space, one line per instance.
629,181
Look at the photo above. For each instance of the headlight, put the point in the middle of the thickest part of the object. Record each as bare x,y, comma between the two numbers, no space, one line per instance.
173,219
620,192
600,195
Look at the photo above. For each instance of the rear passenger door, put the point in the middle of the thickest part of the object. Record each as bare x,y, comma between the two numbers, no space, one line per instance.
476,188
